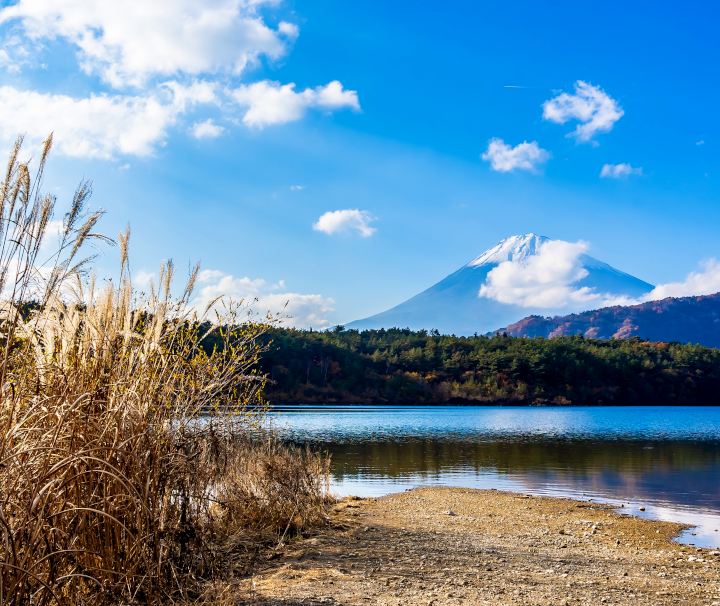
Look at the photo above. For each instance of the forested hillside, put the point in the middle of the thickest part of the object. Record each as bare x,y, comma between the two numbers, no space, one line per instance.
405,367
684,319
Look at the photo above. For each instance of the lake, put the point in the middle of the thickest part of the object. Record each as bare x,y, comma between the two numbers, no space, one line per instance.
659,462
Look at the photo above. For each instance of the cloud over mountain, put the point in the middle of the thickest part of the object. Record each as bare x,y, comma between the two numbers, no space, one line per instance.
553,278
544,279
520,273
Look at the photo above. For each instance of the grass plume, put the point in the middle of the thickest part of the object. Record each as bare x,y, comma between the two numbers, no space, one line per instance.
128,468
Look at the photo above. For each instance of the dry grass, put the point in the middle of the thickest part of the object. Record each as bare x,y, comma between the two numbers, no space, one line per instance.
112,490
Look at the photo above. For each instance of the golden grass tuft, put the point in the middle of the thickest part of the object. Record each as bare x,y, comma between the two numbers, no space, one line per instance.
130,465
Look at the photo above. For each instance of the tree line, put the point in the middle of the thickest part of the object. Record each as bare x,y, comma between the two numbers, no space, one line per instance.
400,366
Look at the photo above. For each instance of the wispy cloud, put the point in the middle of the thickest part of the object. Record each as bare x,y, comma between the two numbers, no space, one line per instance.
703,282
506,158
346,221
591,106
302,310
207,129
619,171
216,288
7,63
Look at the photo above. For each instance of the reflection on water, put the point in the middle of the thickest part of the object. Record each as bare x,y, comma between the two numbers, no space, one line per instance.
664,459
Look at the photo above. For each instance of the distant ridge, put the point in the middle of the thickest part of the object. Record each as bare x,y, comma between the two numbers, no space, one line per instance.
684,320
453,305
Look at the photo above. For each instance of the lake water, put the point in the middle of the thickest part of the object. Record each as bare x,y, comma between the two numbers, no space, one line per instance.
659,462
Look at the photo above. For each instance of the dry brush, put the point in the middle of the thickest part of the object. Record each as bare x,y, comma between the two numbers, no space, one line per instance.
131,467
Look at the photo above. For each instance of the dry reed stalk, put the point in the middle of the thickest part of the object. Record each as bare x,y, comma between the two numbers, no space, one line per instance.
112,490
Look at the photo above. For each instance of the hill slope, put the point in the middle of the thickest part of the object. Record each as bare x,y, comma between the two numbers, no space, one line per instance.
684,320
453,305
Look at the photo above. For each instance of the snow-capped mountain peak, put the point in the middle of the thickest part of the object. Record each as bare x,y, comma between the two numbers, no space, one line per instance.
512,248
454,305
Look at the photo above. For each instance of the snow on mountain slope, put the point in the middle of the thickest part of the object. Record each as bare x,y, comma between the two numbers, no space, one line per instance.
514,248
454,305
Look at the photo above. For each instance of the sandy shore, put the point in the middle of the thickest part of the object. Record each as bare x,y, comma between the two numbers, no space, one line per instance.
456,546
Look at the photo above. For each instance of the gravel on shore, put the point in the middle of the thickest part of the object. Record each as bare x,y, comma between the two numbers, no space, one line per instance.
443,546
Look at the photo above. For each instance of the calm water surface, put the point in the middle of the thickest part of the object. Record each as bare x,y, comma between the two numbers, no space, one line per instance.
665,460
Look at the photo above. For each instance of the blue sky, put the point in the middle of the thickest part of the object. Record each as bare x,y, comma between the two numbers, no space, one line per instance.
191,140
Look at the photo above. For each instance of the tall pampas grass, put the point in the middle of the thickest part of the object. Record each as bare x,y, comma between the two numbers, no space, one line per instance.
130,467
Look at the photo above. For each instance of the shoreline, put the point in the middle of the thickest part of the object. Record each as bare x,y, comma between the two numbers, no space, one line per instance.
477,404
705,522
442,546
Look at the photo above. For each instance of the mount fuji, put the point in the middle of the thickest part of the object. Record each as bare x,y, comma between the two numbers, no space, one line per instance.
455,306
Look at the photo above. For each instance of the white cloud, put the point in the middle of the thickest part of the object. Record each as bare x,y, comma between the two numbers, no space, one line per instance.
207,129
524,156
181,52
542,280
107,125
129,42
619,171
185,96
345,221
591,106
98,126
297,187
296,309
549,280
704,282
267,103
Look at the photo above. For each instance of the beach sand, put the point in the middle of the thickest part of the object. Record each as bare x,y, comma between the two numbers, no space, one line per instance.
439,546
